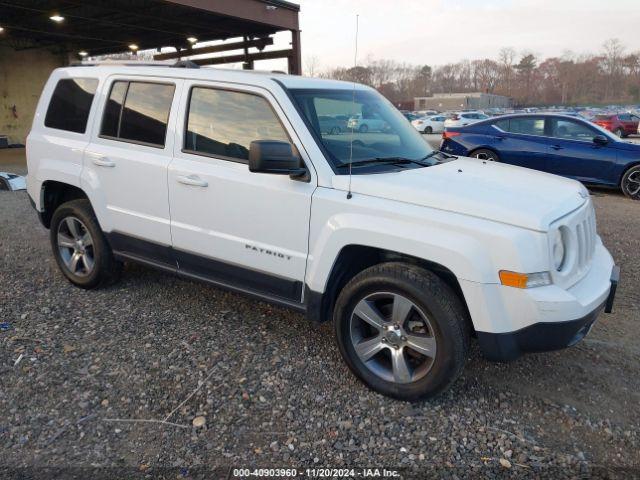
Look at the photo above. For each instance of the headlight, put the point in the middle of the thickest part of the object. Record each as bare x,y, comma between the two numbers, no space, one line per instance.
558,250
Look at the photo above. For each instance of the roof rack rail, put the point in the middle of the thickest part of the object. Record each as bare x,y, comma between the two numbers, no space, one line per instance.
138,63
185,64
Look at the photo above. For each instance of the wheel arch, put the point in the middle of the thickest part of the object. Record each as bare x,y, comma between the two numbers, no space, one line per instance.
484,147
626,168
355,258
53,194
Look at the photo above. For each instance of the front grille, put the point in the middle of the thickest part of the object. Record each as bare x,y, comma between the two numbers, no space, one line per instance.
580,236
585,230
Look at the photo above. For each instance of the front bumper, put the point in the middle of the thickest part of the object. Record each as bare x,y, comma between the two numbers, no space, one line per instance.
543,336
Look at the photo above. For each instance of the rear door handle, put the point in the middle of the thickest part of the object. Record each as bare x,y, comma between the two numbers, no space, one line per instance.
556,147
192,180
104,162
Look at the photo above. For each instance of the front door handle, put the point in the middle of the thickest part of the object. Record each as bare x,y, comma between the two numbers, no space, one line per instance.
556,147
104,162
192,180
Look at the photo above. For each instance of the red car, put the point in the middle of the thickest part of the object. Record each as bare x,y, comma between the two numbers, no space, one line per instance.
622,124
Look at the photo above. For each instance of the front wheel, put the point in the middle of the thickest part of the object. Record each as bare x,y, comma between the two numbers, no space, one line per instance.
619,132
630,183
486,154
428,130
364,128
402,331
79,246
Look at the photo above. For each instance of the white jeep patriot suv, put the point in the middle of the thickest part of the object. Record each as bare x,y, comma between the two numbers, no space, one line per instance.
226,176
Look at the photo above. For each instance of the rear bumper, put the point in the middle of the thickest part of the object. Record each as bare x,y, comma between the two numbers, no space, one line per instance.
543,336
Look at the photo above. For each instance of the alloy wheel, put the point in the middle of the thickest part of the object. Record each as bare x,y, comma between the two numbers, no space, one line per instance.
75,246
632,184
393,337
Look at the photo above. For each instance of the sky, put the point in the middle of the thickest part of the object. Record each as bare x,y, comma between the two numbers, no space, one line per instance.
436,32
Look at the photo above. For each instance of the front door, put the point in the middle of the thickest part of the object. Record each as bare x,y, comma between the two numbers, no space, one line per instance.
228,225
573,153
126,165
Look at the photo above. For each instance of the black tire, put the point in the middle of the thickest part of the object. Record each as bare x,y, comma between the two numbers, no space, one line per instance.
105,269
428,130
619,132
630,183
364,128
428,293
485,154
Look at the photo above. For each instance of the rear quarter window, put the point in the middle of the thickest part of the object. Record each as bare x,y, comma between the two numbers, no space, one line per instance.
70,104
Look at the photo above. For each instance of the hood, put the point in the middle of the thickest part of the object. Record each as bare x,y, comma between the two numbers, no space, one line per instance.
493,191
628,146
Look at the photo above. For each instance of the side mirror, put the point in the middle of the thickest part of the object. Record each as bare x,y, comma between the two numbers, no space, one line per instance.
272,156
600,140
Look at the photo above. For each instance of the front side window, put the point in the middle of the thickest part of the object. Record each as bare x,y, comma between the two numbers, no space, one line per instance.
223,123
71,104
138,112
568,130
375,129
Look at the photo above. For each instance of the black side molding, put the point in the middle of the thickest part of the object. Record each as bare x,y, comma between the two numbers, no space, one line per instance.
615,279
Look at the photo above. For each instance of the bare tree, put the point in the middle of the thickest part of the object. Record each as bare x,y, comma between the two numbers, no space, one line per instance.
312,66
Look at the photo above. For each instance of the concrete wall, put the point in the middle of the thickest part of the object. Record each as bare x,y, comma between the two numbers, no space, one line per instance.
461,101
22,77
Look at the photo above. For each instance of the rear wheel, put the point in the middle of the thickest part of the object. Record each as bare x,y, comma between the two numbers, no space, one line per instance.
619,132
485,154
630,183
428,130
79,246
364,128
402,331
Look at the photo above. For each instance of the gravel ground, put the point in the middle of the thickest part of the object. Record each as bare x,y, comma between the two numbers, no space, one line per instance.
273,391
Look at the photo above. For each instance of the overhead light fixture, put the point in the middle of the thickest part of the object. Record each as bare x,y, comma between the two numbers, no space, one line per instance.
56,18
271,7
133,47
82,53
1,29
192,40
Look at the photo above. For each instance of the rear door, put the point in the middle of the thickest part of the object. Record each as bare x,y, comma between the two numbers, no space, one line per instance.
229,225
125,165
521,141
572,152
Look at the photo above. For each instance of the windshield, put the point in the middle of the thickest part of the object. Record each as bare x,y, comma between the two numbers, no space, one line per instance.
360,126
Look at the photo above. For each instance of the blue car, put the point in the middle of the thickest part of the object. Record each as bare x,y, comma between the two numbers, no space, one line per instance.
560,144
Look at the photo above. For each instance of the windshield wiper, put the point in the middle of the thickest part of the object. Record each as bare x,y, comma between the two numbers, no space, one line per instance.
392,161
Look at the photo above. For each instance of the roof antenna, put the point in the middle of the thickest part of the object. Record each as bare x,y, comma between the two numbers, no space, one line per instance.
353,104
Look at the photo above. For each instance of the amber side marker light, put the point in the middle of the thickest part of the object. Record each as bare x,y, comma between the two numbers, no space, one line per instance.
524,280
513,279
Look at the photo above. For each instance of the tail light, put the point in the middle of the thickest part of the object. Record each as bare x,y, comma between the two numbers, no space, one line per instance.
446,134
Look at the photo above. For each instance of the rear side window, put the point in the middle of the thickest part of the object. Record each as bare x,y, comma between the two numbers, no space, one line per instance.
71,104
523,126
223,123
138,112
